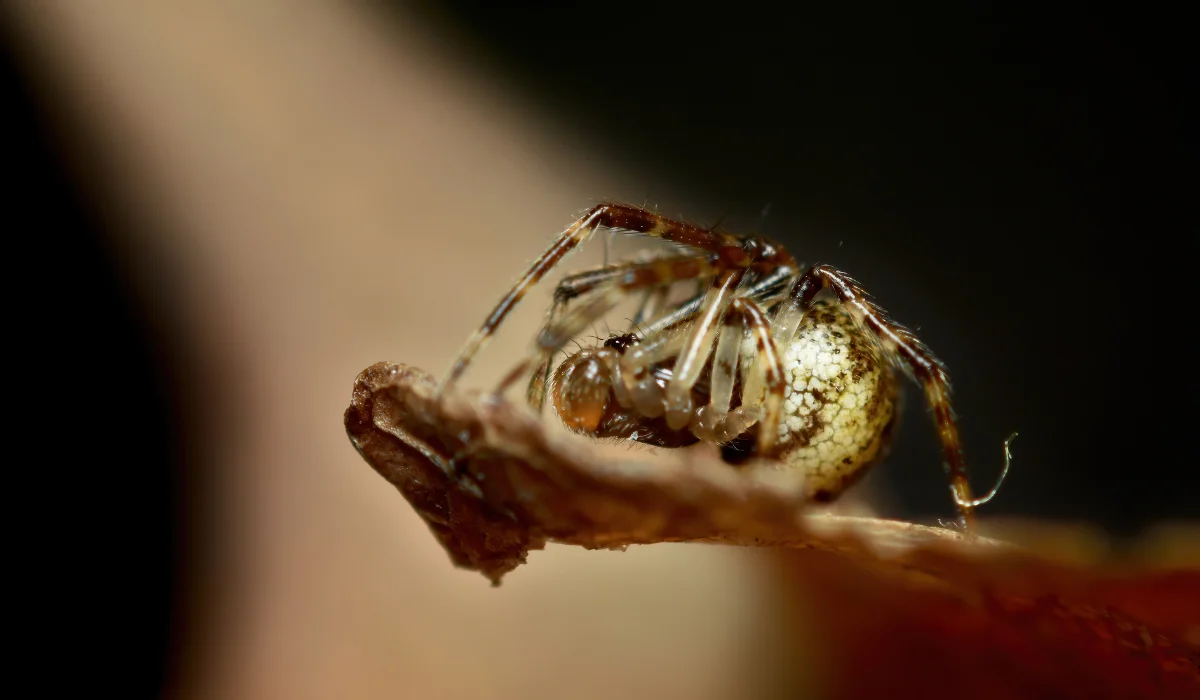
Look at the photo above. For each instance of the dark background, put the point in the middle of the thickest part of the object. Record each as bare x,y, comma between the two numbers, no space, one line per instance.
1010,183
99,436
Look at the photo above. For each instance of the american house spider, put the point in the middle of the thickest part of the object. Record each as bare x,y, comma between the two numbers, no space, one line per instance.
802,372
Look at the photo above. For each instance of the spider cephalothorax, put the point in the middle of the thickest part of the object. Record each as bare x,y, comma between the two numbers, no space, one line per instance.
769,360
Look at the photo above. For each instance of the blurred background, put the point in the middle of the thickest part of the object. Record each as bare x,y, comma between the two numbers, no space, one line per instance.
225,212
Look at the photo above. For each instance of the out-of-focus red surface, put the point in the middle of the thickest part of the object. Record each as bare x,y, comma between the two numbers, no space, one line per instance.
1037,631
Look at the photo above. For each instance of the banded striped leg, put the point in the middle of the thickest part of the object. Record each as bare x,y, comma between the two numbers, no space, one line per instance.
728,250
654,275
568,240
651,274
915,358
716,422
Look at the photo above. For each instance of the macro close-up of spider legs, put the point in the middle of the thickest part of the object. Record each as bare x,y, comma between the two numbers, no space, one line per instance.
672,381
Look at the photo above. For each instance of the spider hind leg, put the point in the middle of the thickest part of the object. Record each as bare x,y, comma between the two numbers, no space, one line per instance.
906,351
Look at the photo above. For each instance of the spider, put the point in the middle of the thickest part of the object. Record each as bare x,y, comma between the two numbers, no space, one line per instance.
769,360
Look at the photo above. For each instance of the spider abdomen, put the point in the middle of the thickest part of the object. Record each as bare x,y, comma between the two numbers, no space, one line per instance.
840,408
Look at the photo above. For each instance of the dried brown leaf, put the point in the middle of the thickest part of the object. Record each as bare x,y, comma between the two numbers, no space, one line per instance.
493,484
930,607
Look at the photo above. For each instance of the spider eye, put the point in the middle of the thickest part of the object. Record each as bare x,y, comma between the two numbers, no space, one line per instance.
760,248
752,246
622,341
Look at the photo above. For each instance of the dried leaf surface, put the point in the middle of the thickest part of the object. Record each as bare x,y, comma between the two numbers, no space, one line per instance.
493,483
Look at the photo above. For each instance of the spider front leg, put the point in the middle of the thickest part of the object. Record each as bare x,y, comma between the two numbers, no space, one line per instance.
905,350
728,251
568,240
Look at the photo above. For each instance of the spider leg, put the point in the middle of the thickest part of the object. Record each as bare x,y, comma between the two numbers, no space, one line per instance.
640,384
600,293
568,240
716,421
729,252
664,338
712,422
654,275
768,367
906,350
696,347
561,330
654,300
652,306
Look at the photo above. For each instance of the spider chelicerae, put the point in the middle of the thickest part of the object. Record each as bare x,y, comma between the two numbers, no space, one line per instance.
770,360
